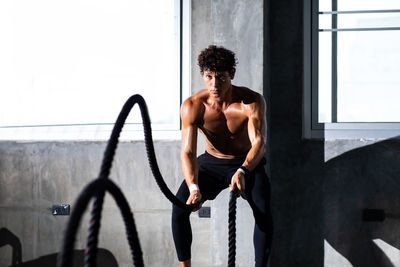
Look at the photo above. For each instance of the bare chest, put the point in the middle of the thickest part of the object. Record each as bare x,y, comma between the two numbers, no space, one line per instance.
230,123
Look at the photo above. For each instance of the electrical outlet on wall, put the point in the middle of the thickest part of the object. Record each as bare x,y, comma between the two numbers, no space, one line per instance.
60,209
205,212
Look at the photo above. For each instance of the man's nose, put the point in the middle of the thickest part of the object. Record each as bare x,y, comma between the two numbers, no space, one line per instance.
215,82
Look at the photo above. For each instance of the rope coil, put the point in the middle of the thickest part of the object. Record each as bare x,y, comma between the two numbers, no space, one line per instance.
99,186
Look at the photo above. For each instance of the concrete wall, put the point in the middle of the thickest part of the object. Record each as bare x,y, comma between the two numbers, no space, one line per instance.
236,25
36,175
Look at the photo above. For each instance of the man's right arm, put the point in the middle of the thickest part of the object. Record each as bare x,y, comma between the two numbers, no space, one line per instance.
189,115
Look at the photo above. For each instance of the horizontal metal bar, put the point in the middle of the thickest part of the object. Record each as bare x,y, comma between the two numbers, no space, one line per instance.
359,11
360,29
63,125
357,126
330,134
385,126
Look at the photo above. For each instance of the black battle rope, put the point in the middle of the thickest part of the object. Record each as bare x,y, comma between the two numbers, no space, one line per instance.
93,191
232,229
97,187
112,146
92,240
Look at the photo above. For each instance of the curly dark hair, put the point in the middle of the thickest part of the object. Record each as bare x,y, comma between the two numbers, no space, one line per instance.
216,59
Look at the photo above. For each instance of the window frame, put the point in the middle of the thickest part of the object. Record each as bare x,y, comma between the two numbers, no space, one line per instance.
131,131
312,129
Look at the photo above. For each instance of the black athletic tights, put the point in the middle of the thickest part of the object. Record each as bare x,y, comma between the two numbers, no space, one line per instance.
215,175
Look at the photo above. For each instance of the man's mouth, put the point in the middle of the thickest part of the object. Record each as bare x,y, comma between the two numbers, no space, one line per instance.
215,91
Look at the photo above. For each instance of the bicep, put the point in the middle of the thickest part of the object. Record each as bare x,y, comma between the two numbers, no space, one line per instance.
189,139
257,123
189,130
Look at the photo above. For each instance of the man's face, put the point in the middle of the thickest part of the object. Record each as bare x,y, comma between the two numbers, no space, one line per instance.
218,83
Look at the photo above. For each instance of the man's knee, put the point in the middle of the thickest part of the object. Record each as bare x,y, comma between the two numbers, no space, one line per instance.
179,215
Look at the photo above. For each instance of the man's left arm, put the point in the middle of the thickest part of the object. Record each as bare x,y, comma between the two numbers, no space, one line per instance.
257,131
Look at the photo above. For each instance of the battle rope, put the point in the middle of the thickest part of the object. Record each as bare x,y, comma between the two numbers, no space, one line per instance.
98,187
232,229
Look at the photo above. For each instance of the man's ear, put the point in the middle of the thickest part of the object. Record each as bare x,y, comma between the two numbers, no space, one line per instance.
232,73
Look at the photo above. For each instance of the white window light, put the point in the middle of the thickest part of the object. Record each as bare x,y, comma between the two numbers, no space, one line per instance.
351,59
66,68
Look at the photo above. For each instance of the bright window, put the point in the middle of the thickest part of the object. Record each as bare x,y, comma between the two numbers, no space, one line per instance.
75,63
351,66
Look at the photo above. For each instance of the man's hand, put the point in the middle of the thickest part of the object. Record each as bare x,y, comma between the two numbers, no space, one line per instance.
195,196
237,181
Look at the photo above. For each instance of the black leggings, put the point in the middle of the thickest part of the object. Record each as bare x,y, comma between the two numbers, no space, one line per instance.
215,175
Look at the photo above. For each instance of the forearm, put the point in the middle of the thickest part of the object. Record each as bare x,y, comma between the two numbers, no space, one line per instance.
255,154
253,158
189,168
257,129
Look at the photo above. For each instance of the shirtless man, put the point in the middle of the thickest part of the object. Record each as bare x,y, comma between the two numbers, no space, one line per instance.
233,121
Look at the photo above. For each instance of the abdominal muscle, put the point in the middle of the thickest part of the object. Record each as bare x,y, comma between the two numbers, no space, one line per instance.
227,147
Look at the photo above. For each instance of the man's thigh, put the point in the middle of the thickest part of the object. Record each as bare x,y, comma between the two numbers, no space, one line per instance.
257,191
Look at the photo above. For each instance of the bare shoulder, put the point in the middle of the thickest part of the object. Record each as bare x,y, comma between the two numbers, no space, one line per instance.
195,102
252,100
192,109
